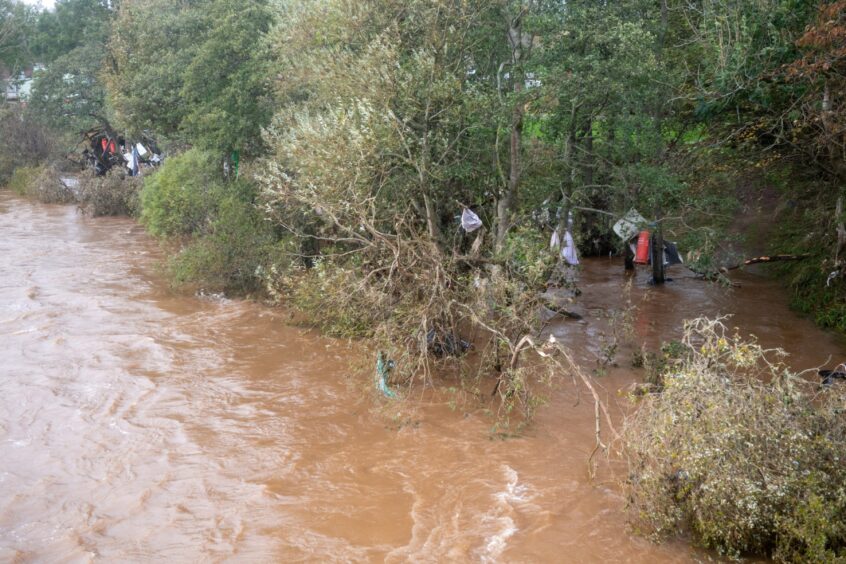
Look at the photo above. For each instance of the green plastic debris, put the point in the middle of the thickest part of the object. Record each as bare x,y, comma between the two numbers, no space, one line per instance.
383,368
236,161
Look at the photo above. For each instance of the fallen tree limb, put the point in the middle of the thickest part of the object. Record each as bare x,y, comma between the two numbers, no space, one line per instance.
765,259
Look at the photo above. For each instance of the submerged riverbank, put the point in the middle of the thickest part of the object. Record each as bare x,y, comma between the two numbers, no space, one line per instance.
143,425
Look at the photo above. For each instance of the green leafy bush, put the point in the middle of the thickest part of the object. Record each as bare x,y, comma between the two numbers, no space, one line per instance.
740,453
527,256
42,183
336,299
22,178
228,242
230,256
182,197
23,142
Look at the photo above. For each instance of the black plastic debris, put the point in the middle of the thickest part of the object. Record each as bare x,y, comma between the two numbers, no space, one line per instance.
671,254
829,376
442,345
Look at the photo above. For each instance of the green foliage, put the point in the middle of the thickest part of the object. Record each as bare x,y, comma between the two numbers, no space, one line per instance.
71,25
68,95
806,225
24,142
737,46
740,453
228,243
657,364
192,71
41,183
22,178
182,197
528,258
334,300
810,294
152,43
16,21
226,85
230,255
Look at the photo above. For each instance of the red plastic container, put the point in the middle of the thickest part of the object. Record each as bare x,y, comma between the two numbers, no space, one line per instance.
642,253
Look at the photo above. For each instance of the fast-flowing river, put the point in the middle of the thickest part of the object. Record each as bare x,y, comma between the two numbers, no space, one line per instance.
137,425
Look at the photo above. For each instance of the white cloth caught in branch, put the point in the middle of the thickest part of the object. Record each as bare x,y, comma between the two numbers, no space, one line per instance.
568,253
554,241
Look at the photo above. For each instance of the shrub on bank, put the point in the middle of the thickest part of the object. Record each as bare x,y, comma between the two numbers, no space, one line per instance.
336,300
112,194
740,453
229,255
23,142
182,197
42,183
227,241
22,178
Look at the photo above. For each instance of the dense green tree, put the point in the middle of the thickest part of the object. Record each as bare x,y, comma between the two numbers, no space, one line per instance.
226,85
192,71
68,94
603,83
387,98
16,21
151,45
70,25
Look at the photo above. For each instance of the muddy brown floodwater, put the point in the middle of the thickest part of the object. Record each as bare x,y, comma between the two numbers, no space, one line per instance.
136,425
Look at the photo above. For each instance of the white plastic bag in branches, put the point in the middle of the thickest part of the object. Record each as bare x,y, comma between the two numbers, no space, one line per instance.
470,221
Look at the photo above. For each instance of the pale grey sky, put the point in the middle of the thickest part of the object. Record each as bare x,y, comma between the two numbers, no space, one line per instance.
43,3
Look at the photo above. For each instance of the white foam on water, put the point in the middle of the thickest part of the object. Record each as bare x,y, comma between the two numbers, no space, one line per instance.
515,492
497,543
501,516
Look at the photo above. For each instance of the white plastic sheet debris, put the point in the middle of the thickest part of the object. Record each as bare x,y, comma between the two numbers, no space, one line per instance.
629,226
470,221
569,253
142,151
135,163
554,241
69,182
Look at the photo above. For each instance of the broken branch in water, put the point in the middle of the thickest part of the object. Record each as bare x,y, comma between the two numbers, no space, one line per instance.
720,274
765,259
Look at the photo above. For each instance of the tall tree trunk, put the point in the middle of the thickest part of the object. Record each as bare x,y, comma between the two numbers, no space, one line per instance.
432,220
657,250
508,203
433,225
567,158
589,164
657,246
520,44
841,233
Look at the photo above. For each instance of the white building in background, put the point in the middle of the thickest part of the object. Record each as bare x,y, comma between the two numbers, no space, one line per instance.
18,88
